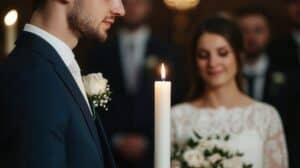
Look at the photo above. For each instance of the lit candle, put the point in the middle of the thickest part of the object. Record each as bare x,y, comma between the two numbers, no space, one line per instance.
10,21
162,121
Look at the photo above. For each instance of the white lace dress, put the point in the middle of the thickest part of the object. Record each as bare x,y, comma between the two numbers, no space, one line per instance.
255,130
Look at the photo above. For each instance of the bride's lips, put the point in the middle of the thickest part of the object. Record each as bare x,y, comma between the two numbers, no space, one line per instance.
215,72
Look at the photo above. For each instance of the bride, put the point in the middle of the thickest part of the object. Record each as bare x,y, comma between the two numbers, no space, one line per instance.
217,104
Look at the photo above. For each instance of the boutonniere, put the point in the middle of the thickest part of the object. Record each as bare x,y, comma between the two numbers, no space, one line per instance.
152,62
278,78
97,90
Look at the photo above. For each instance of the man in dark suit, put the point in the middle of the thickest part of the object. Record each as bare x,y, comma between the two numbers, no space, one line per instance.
131,63
286,52
46,121
265,80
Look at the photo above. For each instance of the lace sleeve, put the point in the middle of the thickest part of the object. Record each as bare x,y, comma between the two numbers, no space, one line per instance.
173,127
275,152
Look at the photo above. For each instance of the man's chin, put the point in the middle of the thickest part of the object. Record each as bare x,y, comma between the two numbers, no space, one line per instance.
101,36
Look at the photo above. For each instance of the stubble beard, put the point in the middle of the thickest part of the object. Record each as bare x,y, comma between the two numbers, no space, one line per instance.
84,25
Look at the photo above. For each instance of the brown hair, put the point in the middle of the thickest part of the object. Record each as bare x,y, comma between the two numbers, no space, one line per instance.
37,4
231,32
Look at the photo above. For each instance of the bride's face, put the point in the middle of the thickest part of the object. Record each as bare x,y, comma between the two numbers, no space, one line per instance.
216,61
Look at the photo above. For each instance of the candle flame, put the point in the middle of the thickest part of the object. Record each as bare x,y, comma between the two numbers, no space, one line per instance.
163,71
11,17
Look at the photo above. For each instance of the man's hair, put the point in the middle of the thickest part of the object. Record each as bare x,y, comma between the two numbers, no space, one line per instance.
37,4
253,10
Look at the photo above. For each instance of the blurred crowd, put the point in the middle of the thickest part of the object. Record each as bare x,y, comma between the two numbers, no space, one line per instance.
131,57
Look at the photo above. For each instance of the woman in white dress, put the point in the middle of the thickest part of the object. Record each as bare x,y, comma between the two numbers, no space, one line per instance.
218,105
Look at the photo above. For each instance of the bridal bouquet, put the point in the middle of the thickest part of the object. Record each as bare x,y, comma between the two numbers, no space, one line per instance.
97,90
211,152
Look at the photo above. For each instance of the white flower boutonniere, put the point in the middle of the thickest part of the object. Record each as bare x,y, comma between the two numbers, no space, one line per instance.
97,90
152,62
278,78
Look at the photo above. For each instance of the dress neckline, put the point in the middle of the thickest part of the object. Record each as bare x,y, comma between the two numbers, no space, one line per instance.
223,108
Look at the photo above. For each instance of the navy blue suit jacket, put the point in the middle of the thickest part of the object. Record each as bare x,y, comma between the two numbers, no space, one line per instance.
45,121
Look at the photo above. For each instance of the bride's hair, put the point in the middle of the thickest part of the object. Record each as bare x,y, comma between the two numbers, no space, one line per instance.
231,32
37,4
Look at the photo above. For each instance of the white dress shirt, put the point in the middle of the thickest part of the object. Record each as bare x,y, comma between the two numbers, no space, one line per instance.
65,53
259,70
133,49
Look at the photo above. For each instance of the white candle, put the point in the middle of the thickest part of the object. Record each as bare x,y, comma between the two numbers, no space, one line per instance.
10,21
162,122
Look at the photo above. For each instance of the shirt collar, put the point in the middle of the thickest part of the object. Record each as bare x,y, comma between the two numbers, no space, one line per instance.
259,68
63,50
296,36
138,36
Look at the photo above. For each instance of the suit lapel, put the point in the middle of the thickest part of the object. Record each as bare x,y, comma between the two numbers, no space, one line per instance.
46,51
70,83
293,49
106,146
144,75
267,86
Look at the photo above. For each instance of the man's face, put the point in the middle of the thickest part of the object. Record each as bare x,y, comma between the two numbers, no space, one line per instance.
256,33
93,18
136,11
294,12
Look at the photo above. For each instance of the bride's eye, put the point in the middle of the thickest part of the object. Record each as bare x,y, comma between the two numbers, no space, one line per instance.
201,54
223,52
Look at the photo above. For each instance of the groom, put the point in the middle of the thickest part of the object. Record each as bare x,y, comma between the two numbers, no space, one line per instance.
45,119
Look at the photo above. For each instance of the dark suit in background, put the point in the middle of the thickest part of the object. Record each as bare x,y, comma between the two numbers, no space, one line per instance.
45,121
286,55
275,65
134,112
286,52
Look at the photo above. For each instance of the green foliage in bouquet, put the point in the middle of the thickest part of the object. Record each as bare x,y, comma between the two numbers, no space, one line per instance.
210,152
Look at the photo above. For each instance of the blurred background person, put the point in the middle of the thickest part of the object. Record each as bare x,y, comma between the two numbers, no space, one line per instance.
268,80
286,50
264,80
130,61
217,104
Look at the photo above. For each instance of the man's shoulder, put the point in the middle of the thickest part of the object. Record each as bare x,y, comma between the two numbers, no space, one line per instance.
24,61
283,42
29,80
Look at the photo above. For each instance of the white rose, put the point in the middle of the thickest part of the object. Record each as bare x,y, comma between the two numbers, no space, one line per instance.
94,84
175,164
214,158
193,158
234,162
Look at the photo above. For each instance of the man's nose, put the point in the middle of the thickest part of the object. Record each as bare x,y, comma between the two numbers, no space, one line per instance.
118,8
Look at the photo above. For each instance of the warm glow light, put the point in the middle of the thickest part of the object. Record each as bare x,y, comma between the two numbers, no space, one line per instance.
182,4
163,72
11,17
